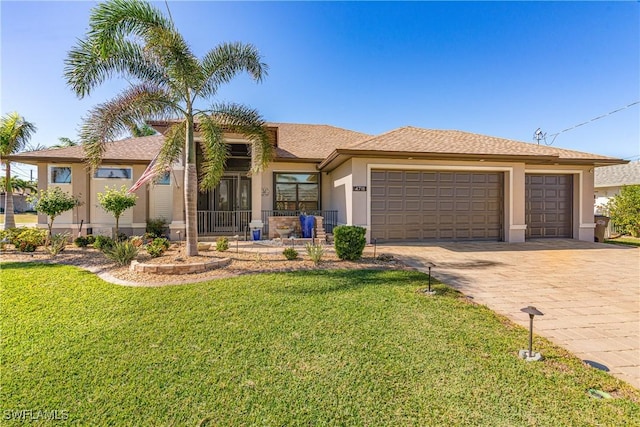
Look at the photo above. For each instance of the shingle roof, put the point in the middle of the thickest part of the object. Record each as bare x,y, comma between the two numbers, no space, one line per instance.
417,140
141,149
316,142
306,141
617,175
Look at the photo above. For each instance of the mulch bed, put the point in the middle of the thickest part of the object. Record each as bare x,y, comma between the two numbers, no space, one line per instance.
242,262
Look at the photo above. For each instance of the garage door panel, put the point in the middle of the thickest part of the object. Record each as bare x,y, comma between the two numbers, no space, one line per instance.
548,205
437,205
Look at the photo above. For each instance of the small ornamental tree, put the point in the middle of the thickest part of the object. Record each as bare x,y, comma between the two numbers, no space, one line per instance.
116,202
52,202
624,209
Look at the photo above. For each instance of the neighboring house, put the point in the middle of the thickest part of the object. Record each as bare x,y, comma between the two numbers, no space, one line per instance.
407,184
20,203
609,180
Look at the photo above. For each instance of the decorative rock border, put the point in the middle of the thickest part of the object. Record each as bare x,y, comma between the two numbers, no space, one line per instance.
186,268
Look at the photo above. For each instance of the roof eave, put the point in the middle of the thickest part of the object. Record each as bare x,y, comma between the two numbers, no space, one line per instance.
339,156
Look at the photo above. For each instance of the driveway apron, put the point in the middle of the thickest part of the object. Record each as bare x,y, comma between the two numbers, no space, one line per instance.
589,292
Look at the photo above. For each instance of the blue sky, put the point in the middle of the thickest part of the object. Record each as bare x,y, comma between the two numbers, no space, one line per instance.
496,68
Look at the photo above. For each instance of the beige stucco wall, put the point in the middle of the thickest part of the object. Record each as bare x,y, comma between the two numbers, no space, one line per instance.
353,207
262,184
338,183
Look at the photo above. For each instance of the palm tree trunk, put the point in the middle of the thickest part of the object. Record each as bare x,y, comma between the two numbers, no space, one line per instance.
9,218
191,191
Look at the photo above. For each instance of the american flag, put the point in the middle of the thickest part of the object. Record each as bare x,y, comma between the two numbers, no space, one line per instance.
146,176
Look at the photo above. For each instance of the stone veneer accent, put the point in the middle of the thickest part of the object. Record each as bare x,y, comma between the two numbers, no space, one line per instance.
293,222
186,268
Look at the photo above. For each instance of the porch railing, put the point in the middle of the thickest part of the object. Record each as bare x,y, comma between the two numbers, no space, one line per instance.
330,218
223,222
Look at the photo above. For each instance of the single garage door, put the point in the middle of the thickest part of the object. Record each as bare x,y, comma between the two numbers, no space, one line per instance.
434,205
548,205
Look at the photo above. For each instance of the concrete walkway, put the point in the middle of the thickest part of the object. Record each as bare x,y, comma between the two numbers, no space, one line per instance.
589,292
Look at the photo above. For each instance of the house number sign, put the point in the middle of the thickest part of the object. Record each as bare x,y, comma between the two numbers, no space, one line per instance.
359,188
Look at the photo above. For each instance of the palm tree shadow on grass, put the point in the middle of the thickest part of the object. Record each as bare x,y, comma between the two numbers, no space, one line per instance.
349,280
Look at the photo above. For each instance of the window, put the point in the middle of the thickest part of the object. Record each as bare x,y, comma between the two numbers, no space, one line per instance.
60,175
296,191
113,173
164,179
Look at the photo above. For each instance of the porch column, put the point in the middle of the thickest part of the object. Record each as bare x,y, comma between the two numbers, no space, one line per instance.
256,196
177,215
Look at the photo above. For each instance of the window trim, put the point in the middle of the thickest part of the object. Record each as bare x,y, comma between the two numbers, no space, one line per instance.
297,201
113,178
51,167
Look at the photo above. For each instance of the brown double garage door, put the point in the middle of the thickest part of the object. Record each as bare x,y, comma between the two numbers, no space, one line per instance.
436,205
448,205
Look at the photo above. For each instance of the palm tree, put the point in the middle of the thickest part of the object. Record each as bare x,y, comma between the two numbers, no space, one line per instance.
65,142
15,133
138,130
18,184
133,39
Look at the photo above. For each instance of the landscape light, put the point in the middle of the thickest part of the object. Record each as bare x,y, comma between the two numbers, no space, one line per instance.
529,355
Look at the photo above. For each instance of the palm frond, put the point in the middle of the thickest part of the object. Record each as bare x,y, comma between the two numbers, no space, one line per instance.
109,120
215,152
15,133
247,121
221,64
172,148
112,21
171,51
85,68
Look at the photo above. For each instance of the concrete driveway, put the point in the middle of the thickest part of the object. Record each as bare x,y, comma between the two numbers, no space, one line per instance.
589,292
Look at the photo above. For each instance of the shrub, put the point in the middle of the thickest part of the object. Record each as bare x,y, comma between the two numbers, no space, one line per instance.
624,209
156,227
58,243
136,241
84,241
222,244
157,247
103,243
6,236
315,252
349,242
122,252
81,241
28,239
290,254
121,237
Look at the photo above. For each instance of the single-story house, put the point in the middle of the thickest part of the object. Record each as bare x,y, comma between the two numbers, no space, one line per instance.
407,184
610,179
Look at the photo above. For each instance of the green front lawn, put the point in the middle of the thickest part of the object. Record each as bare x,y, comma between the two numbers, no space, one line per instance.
304,348
29,218
625,240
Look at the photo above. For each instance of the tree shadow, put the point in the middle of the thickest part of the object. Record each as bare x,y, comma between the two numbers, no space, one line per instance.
346,280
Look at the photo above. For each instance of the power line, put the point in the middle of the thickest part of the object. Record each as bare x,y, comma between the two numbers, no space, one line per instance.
539,135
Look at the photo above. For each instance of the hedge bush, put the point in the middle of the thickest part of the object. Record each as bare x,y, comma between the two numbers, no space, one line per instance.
349,242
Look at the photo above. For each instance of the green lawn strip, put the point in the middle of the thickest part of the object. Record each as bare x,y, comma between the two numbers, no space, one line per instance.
304,348
628,240
22,218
